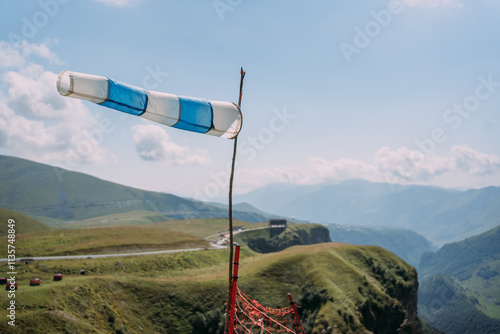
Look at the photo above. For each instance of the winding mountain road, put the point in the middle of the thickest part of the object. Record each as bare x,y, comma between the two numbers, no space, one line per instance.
96,256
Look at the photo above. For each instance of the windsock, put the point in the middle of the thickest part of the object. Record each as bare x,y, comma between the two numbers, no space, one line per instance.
220,119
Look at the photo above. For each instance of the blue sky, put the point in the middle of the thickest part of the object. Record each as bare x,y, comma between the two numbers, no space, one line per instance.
391,91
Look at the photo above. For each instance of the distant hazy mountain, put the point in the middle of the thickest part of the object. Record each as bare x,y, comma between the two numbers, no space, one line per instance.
441,215
244,207
51,194
406,244
459,290
463,259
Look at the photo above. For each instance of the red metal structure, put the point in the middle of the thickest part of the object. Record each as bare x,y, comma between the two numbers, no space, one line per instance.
234,285
296,315
248,316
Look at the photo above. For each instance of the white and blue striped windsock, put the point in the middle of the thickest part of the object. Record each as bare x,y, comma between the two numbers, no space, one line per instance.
220,119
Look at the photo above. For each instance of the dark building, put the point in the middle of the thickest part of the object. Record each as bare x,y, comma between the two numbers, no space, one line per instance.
277,223
276,226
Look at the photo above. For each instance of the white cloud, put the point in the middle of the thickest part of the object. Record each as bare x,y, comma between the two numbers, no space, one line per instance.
473,162
39,124
341,169
432,3
405,165
40,50
10,57
402,166
17,56
120,3
153,143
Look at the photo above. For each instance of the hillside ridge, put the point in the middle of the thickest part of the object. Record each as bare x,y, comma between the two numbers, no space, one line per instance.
52,195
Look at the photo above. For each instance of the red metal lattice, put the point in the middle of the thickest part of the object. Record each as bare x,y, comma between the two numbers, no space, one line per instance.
251,317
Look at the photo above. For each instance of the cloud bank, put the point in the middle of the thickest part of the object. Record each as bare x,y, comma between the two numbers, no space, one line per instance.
399,166
35,121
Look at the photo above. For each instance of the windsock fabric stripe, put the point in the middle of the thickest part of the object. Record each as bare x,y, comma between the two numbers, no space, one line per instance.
126,98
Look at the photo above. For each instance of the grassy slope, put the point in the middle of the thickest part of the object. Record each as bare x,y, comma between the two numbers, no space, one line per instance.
100,240
349,288
118,219
40,190
24,224
462,259
133,293
486,290
202,227
165,235
356,285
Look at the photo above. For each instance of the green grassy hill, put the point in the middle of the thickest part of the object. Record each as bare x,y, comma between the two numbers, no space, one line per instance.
340,288
406,244
117,219
100,241
23,224
55,195
203,227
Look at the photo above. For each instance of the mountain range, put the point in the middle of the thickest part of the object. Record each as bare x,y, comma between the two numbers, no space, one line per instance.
406,244
439,214
53,195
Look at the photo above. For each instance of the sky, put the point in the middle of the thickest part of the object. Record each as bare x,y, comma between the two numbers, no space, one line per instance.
403,92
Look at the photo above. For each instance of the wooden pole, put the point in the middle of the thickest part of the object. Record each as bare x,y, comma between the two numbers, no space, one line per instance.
231,240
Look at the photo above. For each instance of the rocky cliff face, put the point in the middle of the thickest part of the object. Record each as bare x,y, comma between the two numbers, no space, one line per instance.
275,240
315,235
